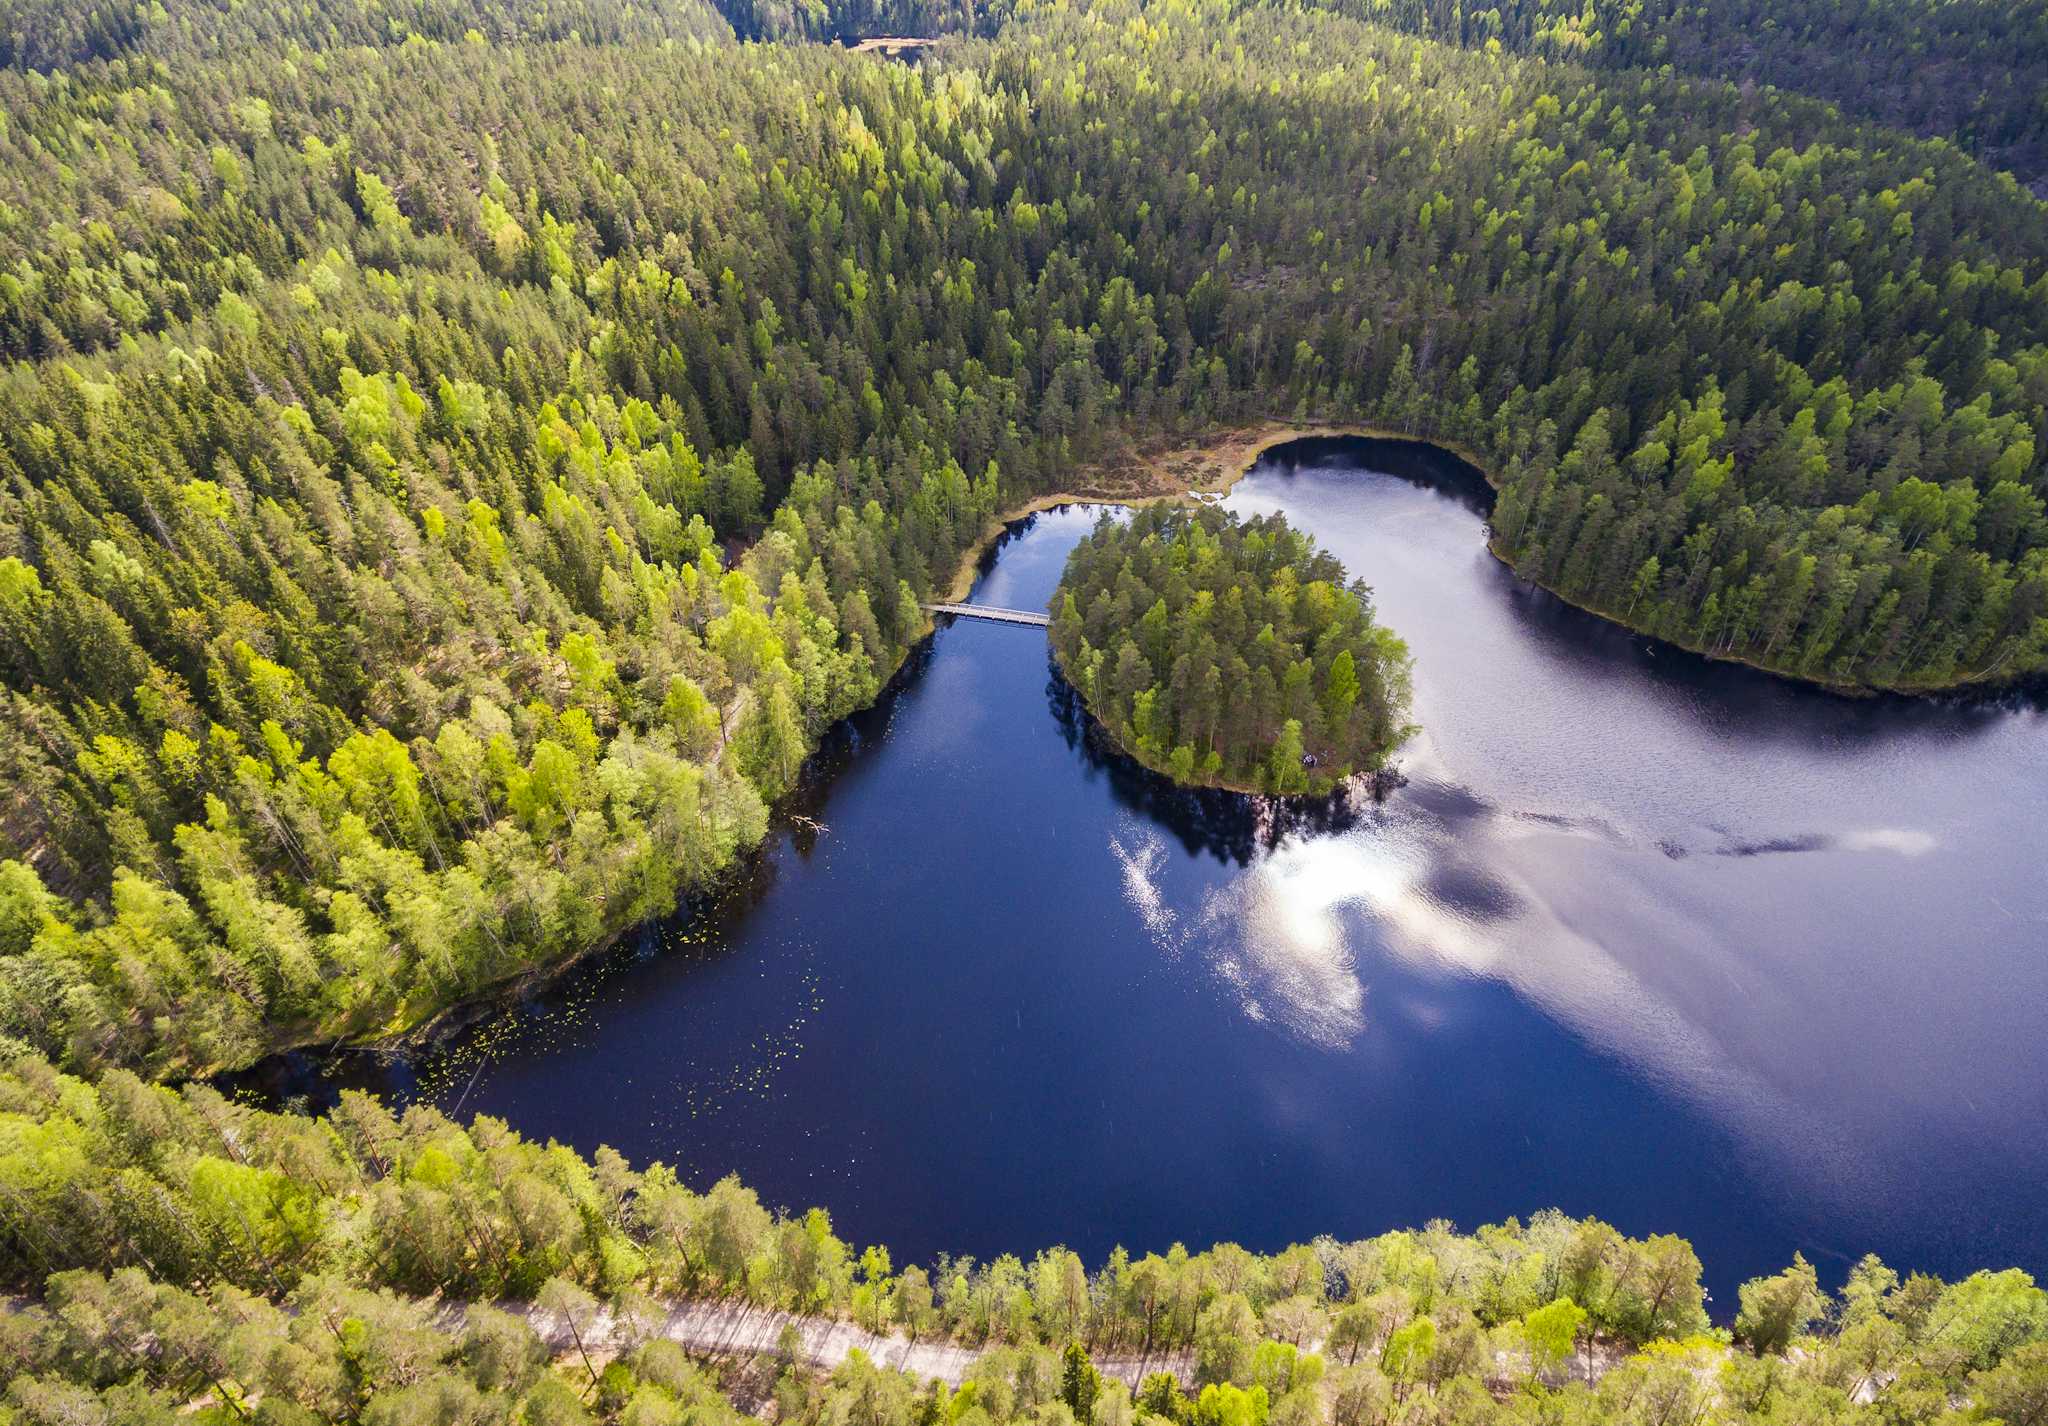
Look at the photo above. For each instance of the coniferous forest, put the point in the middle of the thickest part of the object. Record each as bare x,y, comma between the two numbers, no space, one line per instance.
1233,653
449,484
457,459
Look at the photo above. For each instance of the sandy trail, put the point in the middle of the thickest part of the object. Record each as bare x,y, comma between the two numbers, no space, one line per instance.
738,1330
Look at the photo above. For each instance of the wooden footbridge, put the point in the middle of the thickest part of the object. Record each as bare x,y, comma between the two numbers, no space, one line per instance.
992,613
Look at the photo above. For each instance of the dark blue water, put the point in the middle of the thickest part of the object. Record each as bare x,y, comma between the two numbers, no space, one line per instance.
1675,944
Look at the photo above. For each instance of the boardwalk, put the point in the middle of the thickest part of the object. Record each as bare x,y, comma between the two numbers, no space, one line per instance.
989,611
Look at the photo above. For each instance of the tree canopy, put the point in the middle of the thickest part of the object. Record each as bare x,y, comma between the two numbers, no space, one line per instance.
198,1259
456,459
1969,70
1229,652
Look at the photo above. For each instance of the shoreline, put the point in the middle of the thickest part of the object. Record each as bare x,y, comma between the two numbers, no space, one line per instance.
1213,464
1977,686
396,1040
1203,465
1224,458
1367,780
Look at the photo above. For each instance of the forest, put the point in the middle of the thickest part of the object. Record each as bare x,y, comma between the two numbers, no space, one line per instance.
1229,653
456,460
1973,71
447,485
205,1260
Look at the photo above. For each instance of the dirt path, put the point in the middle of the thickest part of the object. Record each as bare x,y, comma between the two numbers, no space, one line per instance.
736,1330
730,719
893,45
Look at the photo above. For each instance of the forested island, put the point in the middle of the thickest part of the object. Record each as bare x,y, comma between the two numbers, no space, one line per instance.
1229,653
203,1261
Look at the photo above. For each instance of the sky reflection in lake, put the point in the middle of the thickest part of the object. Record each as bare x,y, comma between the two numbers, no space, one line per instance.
1679,945
1821,920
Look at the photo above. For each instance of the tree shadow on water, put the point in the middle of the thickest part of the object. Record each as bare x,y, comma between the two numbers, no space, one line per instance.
1606,656
1233,827
1415,461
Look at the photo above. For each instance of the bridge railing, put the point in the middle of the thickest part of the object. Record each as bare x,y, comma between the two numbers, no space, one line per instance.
994,613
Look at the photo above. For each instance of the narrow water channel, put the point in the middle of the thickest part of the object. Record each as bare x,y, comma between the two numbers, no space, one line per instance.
1673,943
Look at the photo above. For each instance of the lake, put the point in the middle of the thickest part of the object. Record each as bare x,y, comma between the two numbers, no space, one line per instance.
1674,943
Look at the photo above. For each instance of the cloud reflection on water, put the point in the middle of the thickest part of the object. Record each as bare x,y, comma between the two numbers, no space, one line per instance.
1271,934
1444,882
